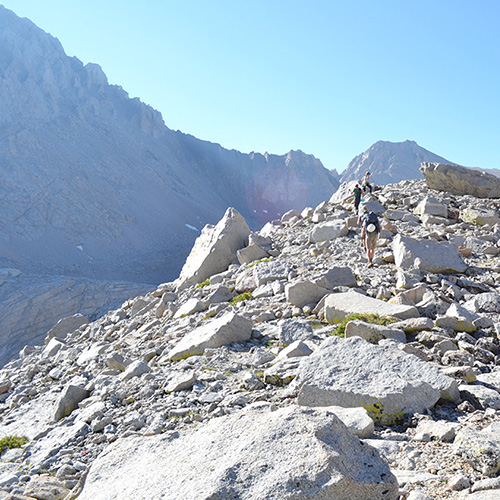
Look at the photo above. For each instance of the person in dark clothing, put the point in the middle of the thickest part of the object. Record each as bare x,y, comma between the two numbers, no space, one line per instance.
357,197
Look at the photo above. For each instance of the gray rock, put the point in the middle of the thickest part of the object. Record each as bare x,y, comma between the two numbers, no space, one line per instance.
65,326
488,398
220,294
336,306
456,323
486,484
484,495
92,352
427,255
460,180
480,216
303,292
480,448
337,276
352,372
373,333
291,214
261,357
413,325
191,306
214,249
274,270
294,350
332,464
372,205
356,420
430,206
52,348
290,330
250,254
251,382
488,302
135,369
327,231
42,449
418,495
46,488
440,430
116,361
180,381
222,331
68,401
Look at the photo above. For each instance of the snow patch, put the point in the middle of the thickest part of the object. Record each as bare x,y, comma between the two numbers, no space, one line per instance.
189,226
79,247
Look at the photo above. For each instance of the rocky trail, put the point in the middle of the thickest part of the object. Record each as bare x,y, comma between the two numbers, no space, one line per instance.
233,382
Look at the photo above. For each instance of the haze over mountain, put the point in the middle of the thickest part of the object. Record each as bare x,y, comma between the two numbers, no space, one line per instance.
95,184
98,197
390,162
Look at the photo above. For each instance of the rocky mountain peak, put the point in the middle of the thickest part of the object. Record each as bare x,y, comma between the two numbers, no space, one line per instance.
96,75
390,162
40,83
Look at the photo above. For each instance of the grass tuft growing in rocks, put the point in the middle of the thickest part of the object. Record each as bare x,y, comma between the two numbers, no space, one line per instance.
202,284
240,298
367,318
9,442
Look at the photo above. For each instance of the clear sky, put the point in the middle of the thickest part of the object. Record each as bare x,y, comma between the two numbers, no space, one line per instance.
325,76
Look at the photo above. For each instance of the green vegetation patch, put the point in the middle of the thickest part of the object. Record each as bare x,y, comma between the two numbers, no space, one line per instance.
367,318
9,442
381,415
202,284
241,297
266,259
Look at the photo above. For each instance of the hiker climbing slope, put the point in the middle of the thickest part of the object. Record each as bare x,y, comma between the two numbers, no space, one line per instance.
370,230
365,183
357,197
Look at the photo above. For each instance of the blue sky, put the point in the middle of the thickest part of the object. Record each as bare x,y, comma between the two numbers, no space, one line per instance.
327,77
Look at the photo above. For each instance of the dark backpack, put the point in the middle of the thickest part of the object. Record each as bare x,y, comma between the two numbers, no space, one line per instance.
372,218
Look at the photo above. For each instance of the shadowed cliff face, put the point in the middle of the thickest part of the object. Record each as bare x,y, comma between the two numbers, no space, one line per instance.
94,183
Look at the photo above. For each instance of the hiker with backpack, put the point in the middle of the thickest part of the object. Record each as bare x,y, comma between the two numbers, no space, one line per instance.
365,183
357,197
370,230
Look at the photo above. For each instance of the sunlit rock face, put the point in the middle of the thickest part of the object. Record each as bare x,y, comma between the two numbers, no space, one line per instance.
390,162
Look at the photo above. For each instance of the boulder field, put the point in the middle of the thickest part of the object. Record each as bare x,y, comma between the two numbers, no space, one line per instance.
284,368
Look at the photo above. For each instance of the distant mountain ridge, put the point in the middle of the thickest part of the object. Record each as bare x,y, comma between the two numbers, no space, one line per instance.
94,183
99,199
390,162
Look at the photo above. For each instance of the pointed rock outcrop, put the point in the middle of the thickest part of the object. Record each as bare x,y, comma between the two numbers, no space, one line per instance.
215,249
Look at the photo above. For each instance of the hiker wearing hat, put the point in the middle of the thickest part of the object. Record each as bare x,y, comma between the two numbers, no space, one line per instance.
365,183
370,229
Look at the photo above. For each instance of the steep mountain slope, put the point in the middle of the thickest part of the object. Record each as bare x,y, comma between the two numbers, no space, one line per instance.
390,162
98,197
94,183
